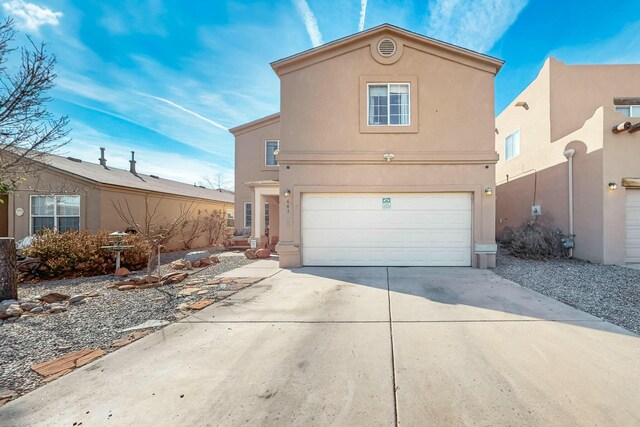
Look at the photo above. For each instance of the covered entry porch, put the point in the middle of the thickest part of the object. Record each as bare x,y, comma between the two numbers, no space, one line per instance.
265,212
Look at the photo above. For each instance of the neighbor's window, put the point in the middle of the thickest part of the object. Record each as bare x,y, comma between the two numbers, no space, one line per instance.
60,213
629,110
230,222
270,151
512,145
388,104
266,215
247,214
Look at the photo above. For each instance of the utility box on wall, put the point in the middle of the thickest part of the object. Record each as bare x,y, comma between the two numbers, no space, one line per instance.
536,210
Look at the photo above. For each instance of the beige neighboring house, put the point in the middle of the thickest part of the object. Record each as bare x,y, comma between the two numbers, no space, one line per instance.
382,155
70,194
560,128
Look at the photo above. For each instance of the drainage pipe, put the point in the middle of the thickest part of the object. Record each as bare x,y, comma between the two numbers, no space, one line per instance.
569,155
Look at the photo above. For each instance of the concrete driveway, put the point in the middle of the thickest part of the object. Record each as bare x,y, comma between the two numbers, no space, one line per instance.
360,346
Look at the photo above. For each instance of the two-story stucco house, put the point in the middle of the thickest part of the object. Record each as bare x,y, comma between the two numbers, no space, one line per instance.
382,155
559,152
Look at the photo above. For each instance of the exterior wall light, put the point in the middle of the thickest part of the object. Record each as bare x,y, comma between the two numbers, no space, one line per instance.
488,191
522,104
287,193
388,156
613,186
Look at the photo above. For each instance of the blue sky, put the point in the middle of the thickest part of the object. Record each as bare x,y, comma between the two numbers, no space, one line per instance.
166,78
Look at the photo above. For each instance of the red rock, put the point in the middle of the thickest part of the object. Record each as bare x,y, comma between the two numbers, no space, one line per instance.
122,272
250,254
54,297
126,287
200,304
263,253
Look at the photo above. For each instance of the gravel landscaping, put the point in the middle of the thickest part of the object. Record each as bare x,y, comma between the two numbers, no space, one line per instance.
99,321
609,292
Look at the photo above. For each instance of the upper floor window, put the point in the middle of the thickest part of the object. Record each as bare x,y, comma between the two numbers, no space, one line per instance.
60,213
388,104
270,151
512,145
629,110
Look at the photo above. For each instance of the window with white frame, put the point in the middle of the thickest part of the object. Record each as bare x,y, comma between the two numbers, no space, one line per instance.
247,214
629,110
266,215
60,213
512,145
270,151
388,104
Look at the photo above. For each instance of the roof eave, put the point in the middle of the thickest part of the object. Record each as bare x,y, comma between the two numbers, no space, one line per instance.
255,124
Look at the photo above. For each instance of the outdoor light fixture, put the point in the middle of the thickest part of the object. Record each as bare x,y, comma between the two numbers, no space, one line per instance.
522,104
388,156
488,191
613,186
287,193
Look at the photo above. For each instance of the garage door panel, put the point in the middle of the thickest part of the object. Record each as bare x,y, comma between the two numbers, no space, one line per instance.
400,257
376,238
415,229
395,219
633,226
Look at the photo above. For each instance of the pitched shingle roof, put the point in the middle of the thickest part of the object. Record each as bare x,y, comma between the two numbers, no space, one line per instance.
124,178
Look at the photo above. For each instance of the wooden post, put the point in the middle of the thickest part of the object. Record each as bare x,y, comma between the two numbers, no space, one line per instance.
621,127
8,269
635,128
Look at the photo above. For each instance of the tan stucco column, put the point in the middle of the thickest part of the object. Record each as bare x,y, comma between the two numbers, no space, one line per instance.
261,191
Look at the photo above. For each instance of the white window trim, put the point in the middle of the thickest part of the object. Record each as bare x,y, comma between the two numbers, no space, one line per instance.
265,152
388,105
631,108
55,211
244,214
505,145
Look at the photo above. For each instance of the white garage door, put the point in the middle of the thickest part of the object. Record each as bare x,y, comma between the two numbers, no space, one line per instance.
633,226
407,229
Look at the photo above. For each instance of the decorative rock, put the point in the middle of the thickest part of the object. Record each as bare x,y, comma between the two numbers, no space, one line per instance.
93,294
55,310
122,272
197,264
183,306
54,297
202,292
250,254
10,319
152,279
188,265
126,287
188,291
13,310
204,262
214,259
77,298
196,255
178,265
160,298
37,310
263,253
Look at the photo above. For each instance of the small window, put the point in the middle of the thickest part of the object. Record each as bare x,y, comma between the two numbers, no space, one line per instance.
270,151
512,145
247,214
266,214
60,213
629,110
388,104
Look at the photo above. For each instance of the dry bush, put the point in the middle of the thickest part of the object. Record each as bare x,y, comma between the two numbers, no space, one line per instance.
211,225
535,239
78,253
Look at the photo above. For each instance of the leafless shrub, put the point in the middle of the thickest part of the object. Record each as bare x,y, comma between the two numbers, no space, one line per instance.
535,239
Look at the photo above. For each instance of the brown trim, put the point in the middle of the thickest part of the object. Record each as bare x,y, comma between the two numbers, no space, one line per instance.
631,182
626,101
255,124
361,39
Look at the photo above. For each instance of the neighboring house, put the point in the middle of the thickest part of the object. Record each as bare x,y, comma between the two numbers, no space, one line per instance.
566,116
385,155
70,194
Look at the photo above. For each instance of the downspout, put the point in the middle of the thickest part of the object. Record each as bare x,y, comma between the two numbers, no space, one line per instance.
569,155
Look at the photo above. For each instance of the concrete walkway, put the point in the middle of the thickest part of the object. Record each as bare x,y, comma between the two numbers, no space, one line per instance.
360,346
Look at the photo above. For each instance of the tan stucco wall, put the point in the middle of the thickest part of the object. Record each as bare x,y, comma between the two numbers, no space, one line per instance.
96,207
47,182
571,107
324,148
250,165
167,208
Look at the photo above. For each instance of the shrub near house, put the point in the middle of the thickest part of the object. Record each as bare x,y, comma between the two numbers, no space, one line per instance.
79,253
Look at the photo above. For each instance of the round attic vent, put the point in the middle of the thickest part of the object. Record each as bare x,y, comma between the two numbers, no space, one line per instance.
386,47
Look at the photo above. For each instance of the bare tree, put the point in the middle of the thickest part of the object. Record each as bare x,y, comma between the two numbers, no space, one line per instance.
28,132
217,182
192,229
155,231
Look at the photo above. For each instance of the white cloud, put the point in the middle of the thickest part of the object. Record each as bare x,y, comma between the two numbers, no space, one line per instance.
310,22
30,17
186,110
363,14
473,24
